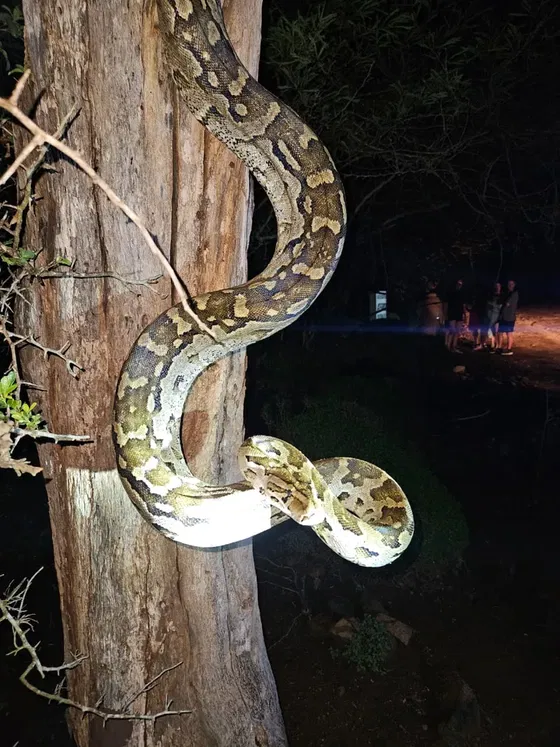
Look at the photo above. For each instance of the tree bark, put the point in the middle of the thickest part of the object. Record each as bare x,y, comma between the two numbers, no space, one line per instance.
132,600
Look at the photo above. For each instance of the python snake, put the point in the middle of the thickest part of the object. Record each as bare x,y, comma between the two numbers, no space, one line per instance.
357,509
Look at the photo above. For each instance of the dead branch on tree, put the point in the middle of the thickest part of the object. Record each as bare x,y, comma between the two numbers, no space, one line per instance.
12,610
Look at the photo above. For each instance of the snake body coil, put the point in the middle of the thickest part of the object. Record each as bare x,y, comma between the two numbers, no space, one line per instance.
355,507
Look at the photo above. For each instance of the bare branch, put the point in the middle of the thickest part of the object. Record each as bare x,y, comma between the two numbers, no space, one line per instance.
19,620
36,141
71,366
12,611
50,275
371,193
150,684
39,434
287,633
20,85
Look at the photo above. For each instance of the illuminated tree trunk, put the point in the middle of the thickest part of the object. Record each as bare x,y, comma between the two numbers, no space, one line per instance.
132,600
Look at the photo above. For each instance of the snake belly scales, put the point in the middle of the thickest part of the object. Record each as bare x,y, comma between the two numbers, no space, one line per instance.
357,509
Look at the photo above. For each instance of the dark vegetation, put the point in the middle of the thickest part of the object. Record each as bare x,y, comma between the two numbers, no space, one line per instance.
443,118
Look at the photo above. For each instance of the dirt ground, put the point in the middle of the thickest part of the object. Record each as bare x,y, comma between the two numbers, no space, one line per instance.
536,359
481,667
477,672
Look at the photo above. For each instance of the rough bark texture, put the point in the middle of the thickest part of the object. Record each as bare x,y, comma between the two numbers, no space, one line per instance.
134,601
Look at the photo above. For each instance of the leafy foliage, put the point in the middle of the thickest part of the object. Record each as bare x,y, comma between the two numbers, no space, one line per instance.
11,32
441,118
19,259
12,408
369,647
381,105
11,21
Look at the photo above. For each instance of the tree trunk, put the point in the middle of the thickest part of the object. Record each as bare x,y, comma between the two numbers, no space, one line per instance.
132,600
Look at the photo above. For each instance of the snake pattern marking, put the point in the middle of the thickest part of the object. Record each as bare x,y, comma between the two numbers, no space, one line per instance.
357,509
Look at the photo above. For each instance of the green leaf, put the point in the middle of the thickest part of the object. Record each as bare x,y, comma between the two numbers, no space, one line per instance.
8,384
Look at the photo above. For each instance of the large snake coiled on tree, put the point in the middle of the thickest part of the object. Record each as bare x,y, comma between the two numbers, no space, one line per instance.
354,507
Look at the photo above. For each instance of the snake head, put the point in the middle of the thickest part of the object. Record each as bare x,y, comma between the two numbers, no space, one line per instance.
284,476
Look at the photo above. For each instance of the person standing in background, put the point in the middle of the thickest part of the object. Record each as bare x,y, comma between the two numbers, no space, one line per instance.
430,310
491,315
508,315
456,301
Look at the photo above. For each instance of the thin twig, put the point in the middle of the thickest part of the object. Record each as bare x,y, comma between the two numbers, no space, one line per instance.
18,88
287,633
71,366
91,710
32,385
39,434
150,684
17,622
35,142
49,275
280,586
473,417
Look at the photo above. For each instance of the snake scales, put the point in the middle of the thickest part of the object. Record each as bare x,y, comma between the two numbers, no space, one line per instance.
354,507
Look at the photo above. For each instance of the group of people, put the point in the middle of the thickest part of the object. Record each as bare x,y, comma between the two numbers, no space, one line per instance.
491,318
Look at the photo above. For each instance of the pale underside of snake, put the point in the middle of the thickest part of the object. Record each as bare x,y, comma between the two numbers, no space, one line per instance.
356,508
